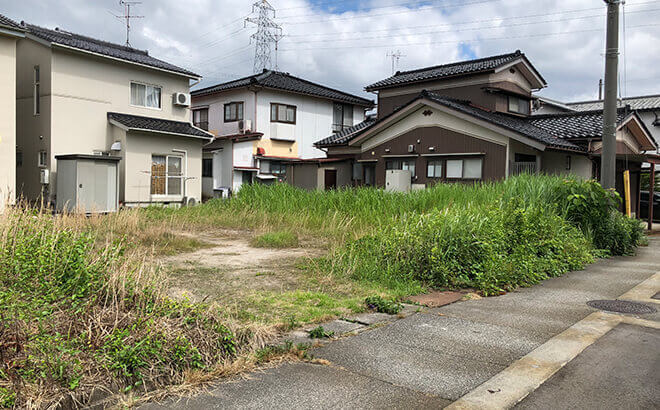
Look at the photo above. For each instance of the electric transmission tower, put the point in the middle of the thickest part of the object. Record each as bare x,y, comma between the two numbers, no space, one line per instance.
127,16
268,33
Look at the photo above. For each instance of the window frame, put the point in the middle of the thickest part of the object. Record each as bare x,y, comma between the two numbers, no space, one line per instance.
36,90
522,102
200,124
167,176
443,163
42,162
338,127
436,162
206,167
146,86
237,104
277,112
400,162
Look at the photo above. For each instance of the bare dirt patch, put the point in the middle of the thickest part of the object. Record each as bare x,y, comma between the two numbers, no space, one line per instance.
229,267
437,298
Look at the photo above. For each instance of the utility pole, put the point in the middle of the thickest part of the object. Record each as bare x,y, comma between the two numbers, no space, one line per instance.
396,56
127,16
608,157
268,32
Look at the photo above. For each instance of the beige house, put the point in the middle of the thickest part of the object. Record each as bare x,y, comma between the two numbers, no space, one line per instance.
79,95
10,33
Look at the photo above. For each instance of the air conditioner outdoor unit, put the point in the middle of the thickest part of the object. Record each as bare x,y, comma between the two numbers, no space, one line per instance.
244,126
411,148
182,99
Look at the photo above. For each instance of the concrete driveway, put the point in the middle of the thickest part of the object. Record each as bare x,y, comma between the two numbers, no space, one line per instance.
539,347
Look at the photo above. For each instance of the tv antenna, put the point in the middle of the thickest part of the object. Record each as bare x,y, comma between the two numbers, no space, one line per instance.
127,17
268,32
396,56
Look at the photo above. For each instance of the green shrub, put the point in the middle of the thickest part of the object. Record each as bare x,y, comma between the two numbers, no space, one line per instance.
320,333
389,306
282,239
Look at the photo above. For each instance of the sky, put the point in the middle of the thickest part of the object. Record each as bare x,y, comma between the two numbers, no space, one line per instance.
345,44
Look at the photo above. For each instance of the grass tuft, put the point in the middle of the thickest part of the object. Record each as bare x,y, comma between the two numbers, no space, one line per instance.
281,239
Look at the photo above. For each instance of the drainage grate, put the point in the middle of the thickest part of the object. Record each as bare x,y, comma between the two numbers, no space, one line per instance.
621,306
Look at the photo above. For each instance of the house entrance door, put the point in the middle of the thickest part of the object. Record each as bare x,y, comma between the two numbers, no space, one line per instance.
330,179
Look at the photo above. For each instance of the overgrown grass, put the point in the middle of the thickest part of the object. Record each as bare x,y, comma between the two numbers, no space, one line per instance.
281,239
76,314
82,302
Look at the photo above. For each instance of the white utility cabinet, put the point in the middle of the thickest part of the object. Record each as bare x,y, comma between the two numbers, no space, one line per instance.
87,183
398,180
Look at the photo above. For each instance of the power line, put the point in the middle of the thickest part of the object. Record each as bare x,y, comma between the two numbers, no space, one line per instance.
466,29
465,41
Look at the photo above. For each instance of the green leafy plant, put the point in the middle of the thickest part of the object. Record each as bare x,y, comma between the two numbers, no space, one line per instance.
389,306
320,333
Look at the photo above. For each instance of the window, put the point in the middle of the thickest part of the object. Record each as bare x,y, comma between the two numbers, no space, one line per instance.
275,168
283,113
342,117
143,95
524,158
201,118
166,175
233,111
42,160
518,105
568,162
404,164
36,90
434,169
19,159
207,168
465,168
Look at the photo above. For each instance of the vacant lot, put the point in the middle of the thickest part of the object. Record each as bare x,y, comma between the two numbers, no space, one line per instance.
159,296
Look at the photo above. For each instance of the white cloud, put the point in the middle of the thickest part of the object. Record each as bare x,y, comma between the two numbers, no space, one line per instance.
348,50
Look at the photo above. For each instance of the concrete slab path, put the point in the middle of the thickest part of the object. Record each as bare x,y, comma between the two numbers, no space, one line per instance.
490,352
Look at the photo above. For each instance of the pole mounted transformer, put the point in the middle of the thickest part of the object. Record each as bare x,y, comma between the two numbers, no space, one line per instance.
608,157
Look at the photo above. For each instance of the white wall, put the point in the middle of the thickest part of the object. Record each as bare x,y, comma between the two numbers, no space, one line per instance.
7,120
216,105
554,162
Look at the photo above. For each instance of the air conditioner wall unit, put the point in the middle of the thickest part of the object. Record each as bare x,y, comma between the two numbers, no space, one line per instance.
244,126
182,99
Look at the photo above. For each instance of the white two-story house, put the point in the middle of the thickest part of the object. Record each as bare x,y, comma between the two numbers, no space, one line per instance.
266,122
10,33
82,97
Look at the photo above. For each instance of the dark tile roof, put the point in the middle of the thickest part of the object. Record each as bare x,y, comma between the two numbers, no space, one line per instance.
105,48
345,135
285,81
460,68
518,125
644,102
9,23
150,124
574,125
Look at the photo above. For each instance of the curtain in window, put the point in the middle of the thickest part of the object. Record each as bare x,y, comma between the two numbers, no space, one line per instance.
434,169
348,115
138,94
157,175
472,168
290,114
239,111
153,97
455,168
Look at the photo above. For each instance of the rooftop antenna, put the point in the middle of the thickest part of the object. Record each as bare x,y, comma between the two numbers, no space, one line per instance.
396,56
127,16
268,32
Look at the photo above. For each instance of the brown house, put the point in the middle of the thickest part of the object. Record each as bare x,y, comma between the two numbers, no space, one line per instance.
472,121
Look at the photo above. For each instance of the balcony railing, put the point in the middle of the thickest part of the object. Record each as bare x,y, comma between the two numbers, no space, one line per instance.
517,168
